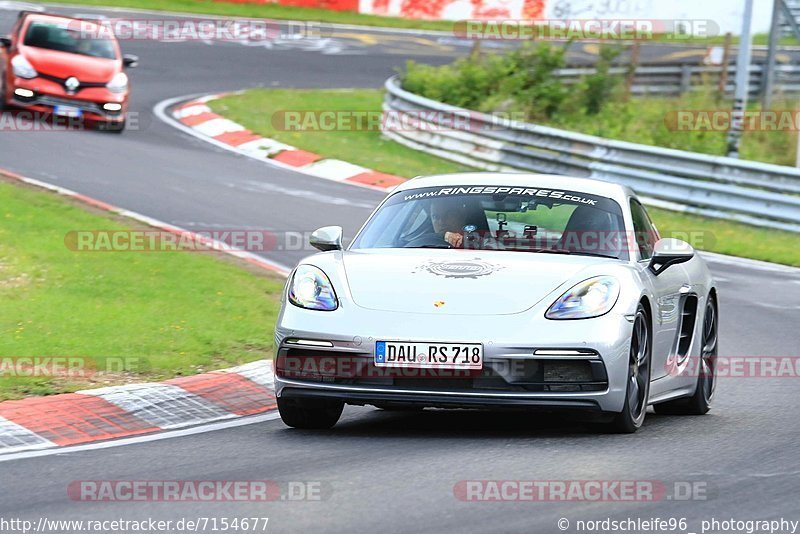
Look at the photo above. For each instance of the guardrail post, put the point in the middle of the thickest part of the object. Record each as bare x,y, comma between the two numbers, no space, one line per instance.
686,79
726,65
742,81
768,74
634,63
475,51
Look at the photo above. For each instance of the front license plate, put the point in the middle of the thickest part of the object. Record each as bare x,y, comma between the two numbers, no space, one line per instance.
429,355
67,111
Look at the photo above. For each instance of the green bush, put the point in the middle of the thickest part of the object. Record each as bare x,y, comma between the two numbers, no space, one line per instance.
597,89
524,81
532,83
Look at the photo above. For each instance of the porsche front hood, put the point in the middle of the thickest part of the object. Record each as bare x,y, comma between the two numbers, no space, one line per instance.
457,282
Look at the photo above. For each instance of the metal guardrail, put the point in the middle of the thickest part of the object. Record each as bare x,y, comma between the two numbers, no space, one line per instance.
790,17
674,80
714,186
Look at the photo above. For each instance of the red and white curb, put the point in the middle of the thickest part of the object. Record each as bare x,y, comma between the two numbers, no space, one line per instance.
137,409
196,117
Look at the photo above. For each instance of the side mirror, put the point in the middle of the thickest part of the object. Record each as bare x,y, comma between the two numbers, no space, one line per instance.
668,252
130,61
328,238
5,42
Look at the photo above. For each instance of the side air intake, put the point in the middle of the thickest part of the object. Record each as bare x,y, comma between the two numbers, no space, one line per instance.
688,317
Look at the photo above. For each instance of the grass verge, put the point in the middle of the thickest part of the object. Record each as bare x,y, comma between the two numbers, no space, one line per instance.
161,314
255,109
260,110
268,11
523,82
275,11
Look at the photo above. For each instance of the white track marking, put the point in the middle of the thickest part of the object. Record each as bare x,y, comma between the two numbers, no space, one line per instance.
264,148
165,406
259,372
150,221
20,6
191,111
334,169
14,437
758,265
215,127
171,434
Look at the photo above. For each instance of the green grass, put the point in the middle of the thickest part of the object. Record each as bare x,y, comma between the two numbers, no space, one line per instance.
270,11
170,314
260,111
725,237
652,121
255,109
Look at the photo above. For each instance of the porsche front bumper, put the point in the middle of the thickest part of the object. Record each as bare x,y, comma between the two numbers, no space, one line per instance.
529,361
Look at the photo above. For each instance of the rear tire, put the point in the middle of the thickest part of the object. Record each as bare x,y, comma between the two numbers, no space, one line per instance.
312,414
637,390
700,402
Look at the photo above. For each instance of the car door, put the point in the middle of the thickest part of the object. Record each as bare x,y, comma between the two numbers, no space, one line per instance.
668,289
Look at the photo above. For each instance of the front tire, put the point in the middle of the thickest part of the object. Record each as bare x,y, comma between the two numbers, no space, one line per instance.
3,95
112,127
631,418
311,414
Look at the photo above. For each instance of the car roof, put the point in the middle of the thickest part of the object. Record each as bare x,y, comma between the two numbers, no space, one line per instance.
615,191
59,19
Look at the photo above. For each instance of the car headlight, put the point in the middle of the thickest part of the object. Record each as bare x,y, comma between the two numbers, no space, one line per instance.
310,288
22,68
118,84
591,298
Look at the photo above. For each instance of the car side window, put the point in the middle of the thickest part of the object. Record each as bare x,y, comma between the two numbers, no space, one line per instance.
644,231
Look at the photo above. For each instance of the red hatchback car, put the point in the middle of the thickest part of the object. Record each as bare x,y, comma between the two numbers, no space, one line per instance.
65,67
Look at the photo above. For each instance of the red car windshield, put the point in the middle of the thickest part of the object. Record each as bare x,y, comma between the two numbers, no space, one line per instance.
64,39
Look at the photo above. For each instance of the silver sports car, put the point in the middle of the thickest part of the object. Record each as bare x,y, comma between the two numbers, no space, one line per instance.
495,291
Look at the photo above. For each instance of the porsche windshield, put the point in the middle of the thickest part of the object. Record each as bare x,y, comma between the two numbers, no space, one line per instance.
498,218
64,38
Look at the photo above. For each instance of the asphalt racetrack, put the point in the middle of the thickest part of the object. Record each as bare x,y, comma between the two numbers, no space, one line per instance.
391,471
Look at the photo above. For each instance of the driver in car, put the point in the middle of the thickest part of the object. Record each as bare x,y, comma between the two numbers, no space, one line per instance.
448,216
